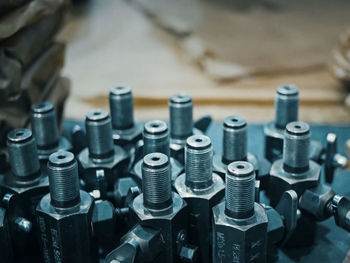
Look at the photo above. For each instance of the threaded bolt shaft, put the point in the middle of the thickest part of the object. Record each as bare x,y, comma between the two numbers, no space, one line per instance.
181,116
122,108
99,134
286,105
198,162
240,190
44,125
63,179
156,181
23,154
156,138
296,147
234,141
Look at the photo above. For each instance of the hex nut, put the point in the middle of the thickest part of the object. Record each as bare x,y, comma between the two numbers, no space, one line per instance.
113,167
314,201
239,240
128,136
121,189
281,181
169,221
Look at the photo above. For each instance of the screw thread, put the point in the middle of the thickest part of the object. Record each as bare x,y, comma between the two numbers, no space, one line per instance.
234,139
181,116
156,181
296,147
99,134
240,190
122,108
156,138
23,154
286,105
44,125
63,179
198,162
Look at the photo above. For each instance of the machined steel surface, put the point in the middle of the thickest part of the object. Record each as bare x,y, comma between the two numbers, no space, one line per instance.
125,130
101,153
45,130
202,190
234,145
65,207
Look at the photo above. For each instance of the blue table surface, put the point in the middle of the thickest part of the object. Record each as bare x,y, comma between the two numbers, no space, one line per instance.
332,243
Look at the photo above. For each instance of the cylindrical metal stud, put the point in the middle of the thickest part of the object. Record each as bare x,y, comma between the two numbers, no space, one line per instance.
122,107
181,116
156,181
240,190
286,105
156,138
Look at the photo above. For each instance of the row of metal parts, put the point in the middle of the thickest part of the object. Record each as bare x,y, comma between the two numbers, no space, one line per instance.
120,191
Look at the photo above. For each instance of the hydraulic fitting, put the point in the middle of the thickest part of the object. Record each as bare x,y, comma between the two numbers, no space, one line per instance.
286,111
100,152
240,224
156,139
202,190
21,189
159,208
45,131
181,124
65,214
295,171
234,148
125,130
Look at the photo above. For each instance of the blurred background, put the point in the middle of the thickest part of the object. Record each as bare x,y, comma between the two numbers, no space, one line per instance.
228,55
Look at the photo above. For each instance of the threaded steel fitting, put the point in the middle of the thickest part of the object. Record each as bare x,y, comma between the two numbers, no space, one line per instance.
240,190
286,105
23,155
296,147
181,116
234,141
156,138
63,179
99,134
198,162
156,181
122,108
44,125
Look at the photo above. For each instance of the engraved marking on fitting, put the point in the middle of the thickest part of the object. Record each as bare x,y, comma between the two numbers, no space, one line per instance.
220,242
55,245
44,240
236,253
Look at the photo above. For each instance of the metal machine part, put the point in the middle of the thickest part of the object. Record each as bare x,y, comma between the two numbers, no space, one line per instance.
332,159
65,207
45,131
125,130
159,208
286,111
100,152
156,139
341,211
234,145
105,226
202,190
21,189
295,171
139,245
181,124
240,224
